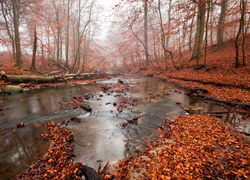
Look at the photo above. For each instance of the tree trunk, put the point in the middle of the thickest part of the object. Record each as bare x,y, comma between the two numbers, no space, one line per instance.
146,31
170,4
190,33
67,36
244,33
33,64
206,34
41,79
199,31
221,22
241,26
163,38
17,36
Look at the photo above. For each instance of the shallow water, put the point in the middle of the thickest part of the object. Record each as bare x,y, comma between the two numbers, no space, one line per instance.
100,135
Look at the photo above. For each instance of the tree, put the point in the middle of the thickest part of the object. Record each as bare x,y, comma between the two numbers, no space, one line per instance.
206,34
8,26
17,35
196,55
241,31
33,63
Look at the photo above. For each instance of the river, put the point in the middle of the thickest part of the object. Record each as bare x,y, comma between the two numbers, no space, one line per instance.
100,134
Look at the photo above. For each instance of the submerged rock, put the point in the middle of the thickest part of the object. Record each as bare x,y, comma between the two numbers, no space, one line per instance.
12,89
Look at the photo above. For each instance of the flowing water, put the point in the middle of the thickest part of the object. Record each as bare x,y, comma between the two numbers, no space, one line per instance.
100,135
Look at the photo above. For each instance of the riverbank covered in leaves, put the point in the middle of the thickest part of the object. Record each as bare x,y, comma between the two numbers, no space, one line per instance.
191,147
222,81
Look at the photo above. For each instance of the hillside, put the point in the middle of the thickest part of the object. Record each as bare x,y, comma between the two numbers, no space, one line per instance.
222,79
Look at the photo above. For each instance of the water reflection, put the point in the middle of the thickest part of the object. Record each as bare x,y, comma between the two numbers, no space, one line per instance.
29,106
19,148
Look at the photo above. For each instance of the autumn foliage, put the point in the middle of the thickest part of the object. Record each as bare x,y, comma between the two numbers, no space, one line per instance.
57,163
191,147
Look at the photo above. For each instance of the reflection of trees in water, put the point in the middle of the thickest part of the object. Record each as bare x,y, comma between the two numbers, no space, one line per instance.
231,119
21,148
242,123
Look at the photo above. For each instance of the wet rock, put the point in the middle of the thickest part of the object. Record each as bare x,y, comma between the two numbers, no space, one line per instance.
120,81
90,173
12,89
86,107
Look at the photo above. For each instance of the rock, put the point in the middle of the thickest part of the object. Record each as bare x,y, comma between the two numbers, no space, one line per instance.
90,173
12,89
86,107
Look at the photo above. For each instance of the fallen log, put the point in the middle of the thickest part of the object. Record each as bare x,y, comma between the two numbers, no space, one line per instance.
28,78
40,79
241,105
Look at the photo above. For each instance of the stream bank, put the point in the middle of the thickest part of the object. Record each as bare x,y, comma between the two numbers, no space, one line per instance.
121,119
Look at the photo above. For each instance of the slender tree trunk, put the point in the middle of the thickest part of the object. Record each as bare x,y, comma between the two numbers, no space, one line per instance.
190,34
67,37
17,36
206,34
33,64
199,31
169,22
244,32
241,26
146,32
163,38
221,22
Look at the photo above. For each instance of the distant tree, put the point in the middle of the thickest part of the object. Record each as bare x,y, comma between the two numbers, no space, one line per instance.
33,62
146,32
163,36
220,28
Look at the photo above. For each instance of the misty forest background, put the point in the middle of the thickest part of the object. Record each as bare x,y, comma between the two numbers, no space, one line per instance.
74,36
